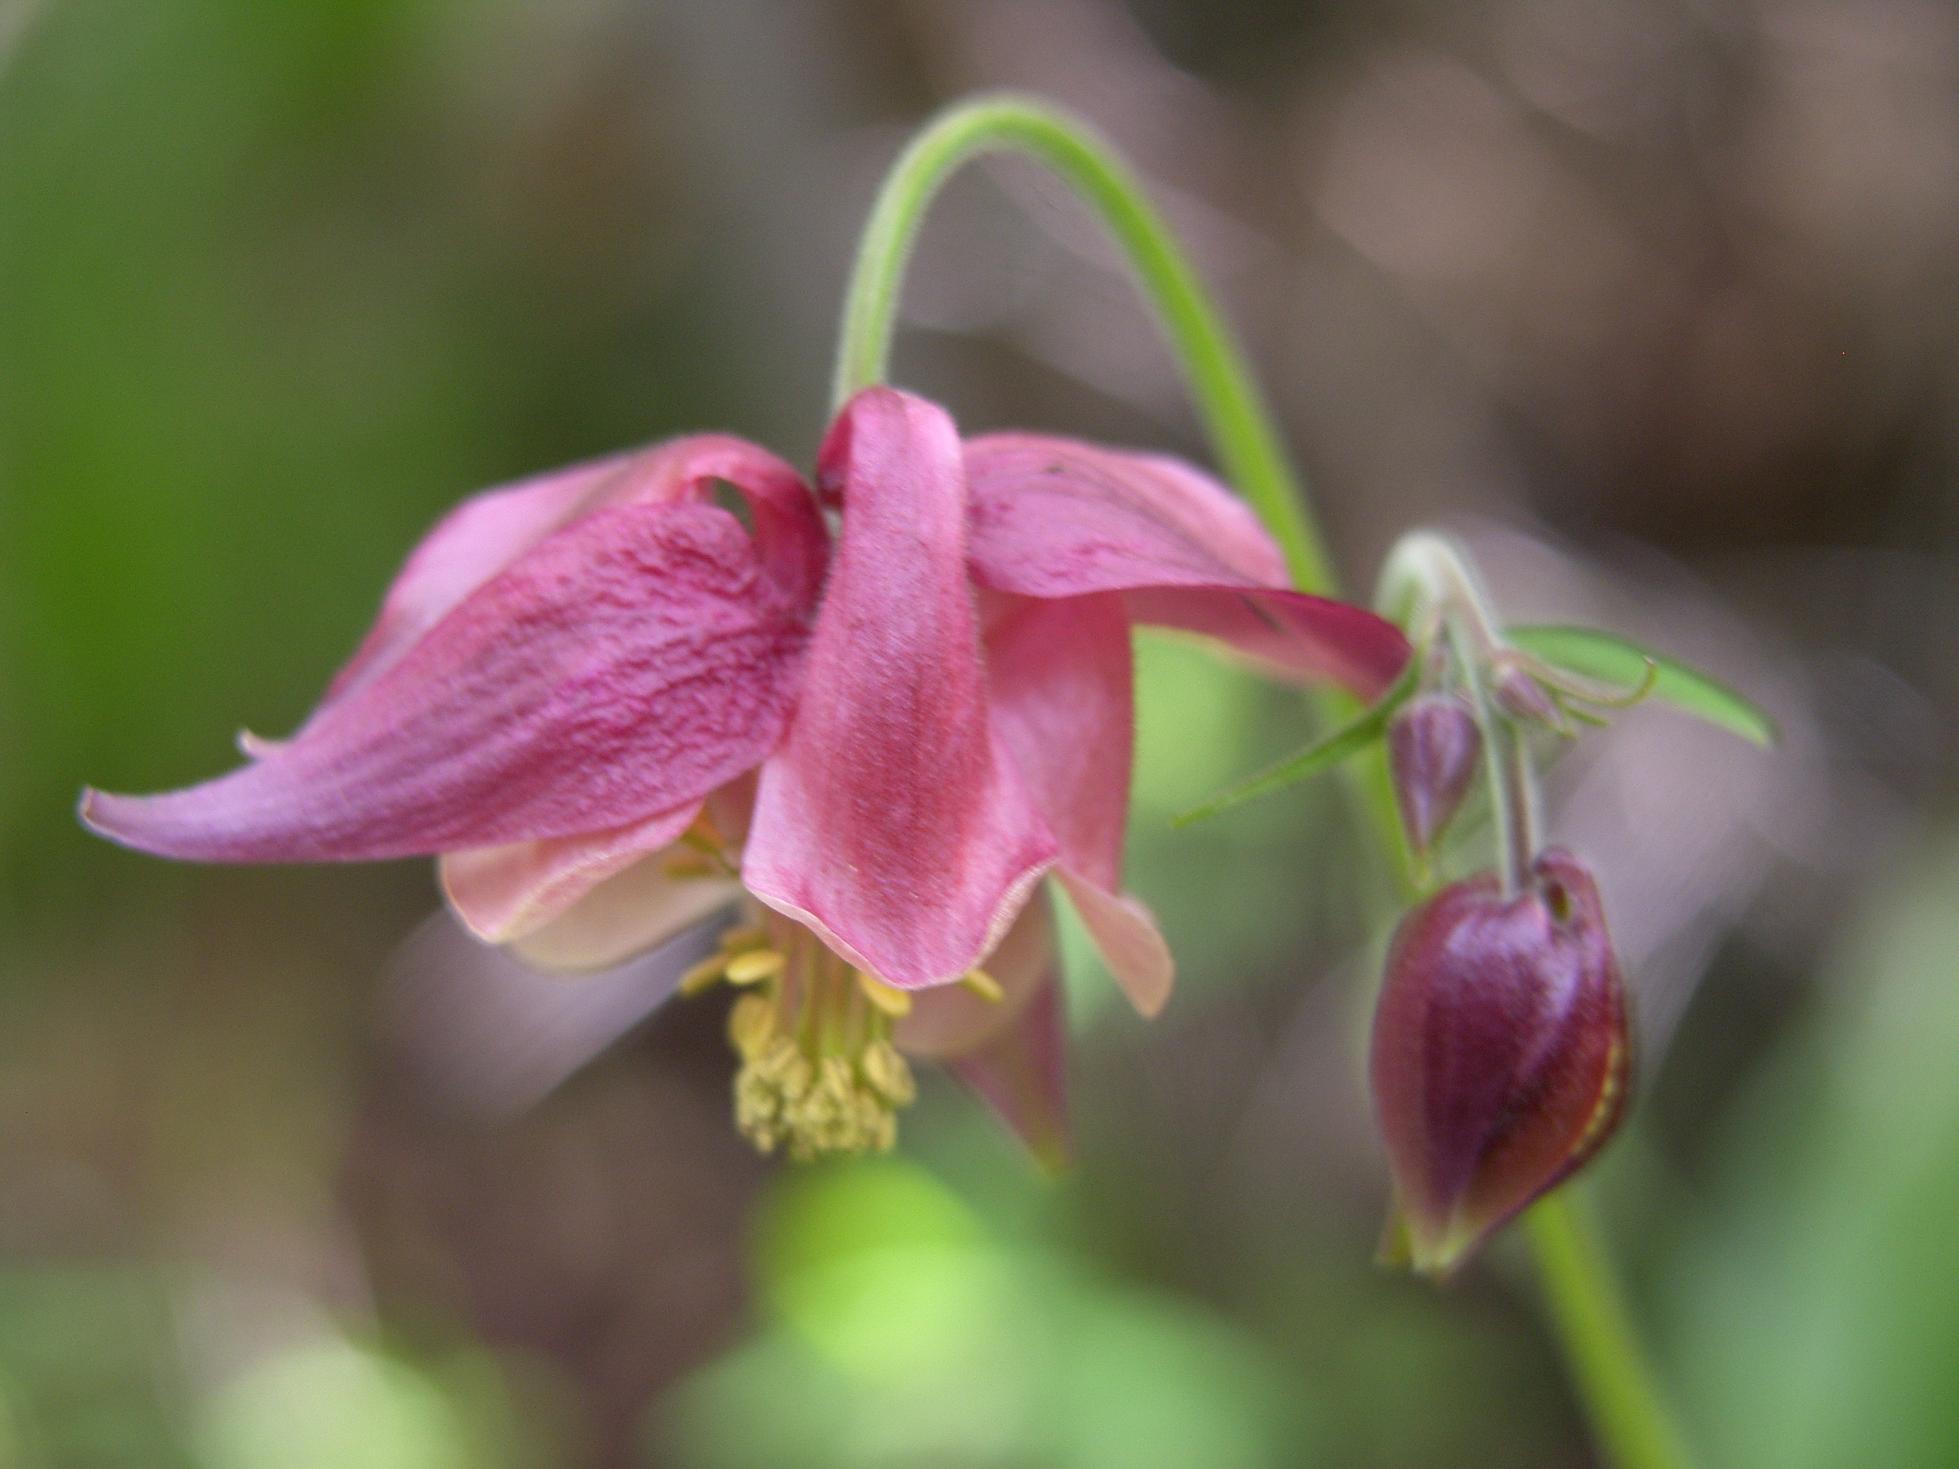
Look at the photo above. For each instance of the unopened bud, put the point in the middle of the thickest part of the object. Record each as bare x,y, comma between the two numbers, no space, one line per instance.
1433,746
1522,697
1500,1053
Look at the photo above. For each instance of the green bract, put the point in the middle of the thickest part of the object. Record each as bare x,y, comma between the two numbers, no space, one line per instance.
1603,655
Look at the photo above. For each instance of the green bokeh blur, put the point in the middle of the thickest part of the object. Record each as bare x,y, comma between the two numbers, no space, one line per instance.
280,282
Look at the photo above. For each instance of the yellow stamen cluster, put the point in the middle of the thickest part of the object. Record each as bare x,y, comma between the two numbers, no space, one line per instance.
819,1074
819,1071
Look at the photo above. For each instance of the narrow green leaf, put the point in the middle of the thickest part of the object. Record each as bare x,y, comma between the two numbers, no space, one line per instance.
1601,655
1350,739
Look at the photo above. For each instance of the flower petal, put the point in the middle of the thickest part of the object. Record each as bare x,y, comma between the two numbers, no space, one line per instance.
623,667
1290,634
1011,1051
953,1020
638,908
488,531
1022,1075
1126,935
1060,676
1055,518
891,822
490,1035
502,893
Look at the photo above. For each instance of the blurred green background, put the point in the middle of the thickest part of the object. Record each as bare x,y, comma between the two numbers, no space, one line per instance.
1653,300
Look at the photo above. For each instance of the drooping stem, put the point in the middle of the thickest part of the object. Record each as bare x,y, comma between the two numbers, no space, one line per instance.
1601,1350
1426,577
1234,415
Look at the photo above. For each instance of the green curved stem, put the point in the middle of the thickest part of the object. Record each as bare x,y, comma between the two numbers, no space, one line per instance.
1426,576
1234,415
1601,1350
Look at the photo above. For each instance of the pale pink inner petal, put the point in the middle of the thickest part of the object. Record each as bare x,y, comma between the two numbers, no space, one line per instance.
633,910
484,1032
891,821
502,893
488,531
951,1020
1014,1054
623,667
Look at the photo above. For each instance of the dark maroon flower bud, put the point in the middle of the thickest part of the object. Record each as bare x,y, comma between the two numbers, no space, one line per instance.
1433,746
1500,1058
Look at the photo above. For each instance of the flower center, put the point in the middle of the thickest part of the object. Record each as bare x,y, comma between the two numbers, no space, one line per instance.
819,1074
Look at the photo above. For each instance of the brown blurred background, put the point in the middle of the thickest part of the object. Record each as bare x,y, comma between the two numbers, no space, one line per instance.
1652,300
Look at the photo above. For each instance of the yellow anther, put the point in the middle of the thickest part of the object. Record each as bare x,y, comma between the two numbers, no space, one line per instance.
818,1074
893,1002
751,1023
743,936
982,984
703,975
684,866
887,1072
754,965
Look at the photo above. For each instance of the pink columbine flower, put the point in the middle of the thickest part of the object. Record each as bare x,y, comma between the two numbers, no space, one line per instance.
885,738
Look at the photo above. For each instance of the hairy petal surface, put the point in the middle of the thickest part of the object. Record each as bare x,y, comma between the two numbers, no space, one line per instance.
623,667
1060,677
1058,517
891,822
1053,518
487,532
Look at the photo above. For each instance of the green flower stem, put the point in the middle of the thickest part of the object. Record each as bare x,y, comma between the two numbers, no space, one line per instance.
1600,1345
1235,417
1426,580
1592,1327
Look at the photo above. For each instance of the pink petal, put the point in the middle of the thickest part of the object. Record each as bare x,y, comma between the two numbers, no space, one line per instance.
1291,634
489,1035
1022,1075
1053,518
1059,677
890,822
952,1020
623,667
1059,673
1126,935
1011,1051
502,893
636,909
484,534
